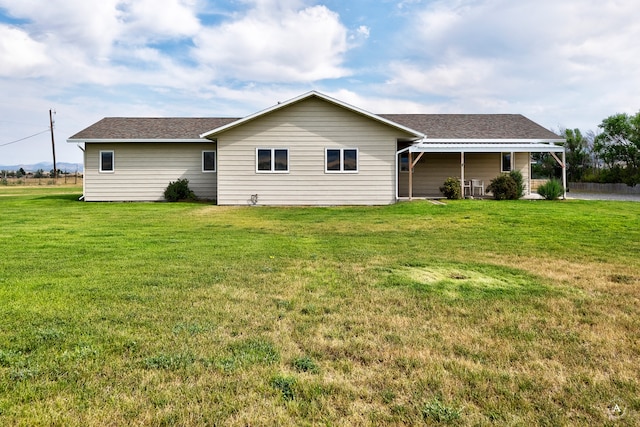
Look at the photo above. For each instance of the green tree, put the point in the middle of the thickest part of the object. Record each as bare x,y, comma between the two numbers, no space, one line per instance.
577,154
619,145
545,166
20,173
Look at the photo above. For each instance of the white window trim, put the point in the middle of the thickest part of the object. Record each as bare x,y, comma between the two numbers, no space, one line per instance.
113,161
342,150
511,158
273,160
215,161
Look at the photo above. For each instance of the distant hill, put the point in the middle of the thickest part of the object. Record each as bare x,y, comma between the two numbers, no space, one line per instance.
45,166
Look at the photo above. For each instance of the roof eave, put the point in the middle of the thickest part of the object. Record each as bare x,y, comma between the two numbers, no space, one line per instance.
131,140
493,140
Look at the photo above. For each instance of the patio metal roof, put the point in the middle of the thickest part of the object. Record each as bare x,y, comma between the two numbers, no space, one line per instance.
485,147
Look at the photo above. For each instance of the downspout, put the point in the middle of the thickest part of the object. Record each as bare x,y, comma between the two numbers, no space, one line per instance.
396,179
84,162
398,153
410,175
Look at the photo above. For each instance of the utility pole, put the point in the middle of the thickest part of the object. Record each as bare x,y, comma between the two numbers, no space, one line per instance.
53,146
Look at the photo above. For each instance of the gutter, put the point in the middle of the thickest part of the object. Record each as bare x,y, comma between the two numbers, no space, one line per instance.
84,163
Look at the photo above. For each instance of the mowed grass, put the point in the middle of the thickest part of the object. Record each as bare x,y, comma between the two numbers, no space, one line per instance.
473,313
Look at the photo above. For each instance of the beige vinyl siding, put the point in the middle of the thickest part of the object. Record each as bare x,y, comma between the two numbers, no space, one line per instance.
523,164
434,168
430,173
306,129
142,171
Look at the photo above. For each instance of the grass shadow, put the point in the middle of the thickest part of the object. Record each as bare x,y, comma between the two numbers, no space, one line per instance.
73,197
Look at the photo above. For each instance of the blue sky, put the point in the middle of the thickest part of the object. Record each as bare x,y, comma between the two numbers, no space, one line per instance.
562,63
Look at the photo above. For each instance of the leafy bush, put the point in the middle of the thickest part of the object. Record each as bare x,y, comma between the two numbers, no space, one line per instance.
451,188
503,187
179,190
551,190
517,177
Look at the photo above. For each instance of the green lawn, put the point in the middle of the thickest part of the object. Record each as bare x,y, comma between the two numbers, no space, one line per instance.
473,313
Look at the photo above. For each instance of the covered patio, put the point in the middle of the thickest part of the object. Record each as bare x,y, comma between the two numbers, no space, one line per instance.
517,150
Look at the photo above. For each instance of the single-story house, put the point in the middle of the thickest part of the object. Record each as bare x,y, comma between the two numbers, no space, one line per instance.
309,150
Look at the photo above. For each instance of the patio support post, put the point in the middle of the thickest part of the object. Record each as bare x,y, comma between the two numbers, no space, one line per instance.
462,173
564,174
563,164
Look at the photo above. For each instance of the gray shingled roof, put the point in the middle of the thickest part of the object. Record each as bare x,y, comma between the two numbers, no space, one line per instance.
123,128
473,126
435,126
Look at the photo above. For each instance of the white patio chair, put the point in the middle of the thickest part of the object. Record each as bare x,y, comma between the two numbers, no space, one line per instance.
466,185
476,183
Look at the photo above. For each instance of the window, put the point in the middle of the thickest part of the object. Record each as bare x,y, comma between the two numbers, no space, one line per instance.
106,161
506,162
341,160
208,161
275,160
404,162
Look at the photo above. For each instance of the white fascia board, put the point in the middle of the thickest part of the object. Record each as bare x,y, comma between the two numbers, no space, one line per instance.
121,141
484,146
309,95
491,141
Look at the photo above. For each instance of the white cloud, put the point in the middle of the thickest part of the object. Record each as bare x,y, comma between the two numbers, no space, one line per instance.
20,55
500,53
113,42
101,41
376,104
363,31
455,77
152,19
98,24
91,24
116,41
407,3
280,44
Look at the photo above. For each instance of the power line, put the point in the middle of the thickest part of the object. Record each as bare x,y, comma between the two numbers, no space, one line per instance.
26,137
